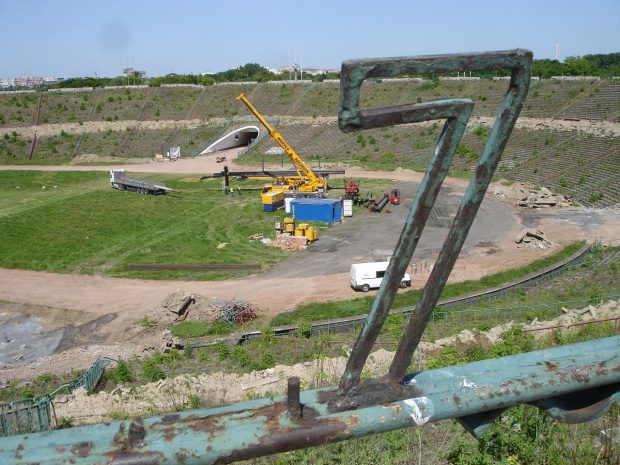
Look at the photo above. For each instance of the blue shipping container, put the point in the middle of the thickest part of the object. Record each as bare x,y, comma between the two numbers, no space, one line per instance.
326,210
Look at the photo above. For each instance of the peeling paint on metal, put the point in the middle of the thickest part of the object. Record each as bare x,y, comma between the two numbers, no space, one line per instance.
422,409
465,383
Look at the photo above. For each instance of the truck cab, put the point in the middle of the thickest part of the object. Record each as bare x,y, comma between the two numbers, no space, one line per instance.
367,276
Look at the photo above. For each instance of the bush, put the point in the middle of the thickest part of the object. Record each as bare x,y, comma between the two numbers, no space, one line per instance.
188,352
223,350
203,356
122,373
151,370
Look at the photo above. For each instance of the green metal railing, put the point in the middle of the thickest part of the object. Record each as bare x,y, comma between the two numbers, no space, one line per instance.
38,414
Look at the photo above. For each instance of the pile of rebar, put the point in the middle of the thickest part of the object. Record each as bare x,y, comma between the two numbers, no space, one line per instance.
235,312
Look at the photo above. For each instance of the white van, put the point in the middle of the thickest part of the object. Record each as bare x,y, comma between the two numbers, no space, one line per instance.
366,276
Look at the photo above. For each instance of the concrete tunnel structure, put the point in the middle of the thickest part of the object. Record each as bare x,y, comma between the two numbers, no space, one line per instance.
241,137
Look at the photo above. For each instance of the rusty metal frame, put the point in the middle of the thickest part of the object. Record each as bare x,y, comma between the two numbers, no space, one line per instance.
456,112
572,383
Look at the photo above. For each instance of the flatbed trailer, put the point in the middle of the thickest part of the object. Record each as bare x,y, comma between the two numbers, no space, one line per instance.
119,180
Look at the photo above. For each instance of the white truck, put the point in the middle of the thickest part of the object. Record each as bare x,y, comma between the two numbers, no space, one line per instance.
366,276
119,180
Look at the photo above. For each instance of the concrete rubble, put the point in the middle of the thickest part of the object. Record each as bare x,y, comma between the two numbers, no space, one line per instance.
544,199
533,238
531,198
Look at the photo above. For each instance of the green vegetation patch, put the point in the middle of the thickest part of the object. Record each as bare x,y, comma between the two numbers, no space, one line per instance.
317,311
75,222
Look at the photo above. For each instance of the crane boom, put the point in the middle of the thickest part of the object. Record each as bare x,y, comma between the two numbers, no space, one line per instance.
301,167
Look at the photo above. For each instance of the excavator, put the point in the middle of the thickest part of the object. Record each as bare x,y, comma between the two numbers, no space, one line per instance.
306,183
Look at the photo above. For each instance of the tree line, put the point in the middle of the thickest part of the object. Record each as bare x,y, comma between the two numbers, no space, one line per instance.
603,65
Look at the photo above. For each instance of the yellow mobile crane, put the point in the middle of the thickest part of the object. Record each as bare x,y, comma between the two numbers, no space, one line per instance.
306,183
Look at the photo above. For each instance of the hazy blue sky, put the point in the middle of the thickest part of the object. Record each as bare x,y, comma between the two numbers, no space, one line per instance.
70,38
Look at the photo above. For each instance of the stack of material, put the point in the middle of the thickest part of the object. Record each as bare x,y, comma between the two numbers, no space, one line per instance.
544,199
534,238
235,312
290,243
179,304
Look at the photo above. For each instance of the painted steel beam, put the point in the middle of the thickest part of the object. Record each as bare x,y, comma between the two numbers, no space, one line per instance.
456,113
572,383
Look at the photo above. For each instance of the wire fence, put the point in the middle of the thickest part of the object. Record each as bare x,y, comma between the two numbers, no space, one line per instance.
441,311
38,414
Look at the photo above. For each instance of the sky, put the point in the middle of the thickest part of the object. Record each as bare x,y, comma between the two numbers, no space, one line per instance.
69,38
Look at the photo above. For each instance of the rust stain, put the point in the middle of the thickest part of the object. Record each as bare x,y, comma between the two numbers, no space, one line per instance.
60,450
181,457
20,447
169,433
551,366
382,419
135,457
170,419
82,449
581,375
354,420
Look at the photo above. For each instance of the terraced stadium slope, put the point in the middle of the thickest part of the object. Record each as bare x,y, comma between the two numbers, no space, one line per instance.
568,136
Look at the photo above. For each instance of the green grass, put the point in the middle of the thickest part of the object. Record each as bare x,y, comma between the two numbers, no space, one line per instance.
339,309
82,225
193,329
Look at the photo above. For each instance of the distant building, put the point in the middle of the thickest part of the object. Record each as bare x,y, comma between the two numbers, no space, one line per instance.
297,70
28,81
127,72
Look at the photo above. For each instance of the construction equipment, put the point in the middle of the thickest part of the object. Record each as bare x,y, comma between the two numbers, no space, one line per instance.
289,227
119,180
351,188
306,183
378,206
395,197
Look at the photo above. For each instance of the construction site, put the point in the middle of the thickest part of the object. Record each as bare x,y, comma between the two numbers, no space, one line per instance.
238,274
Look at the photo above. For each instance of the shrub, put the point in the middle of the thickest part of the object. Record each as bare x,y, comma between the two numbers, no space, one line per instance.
223,351
122,373
203,356
151,370
188,352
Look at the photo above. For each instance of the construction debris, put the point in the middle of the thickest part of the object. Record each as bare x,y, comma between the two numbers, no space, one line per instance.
531,198
544,199
290,243
182,305
235,312
534,238
179,304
